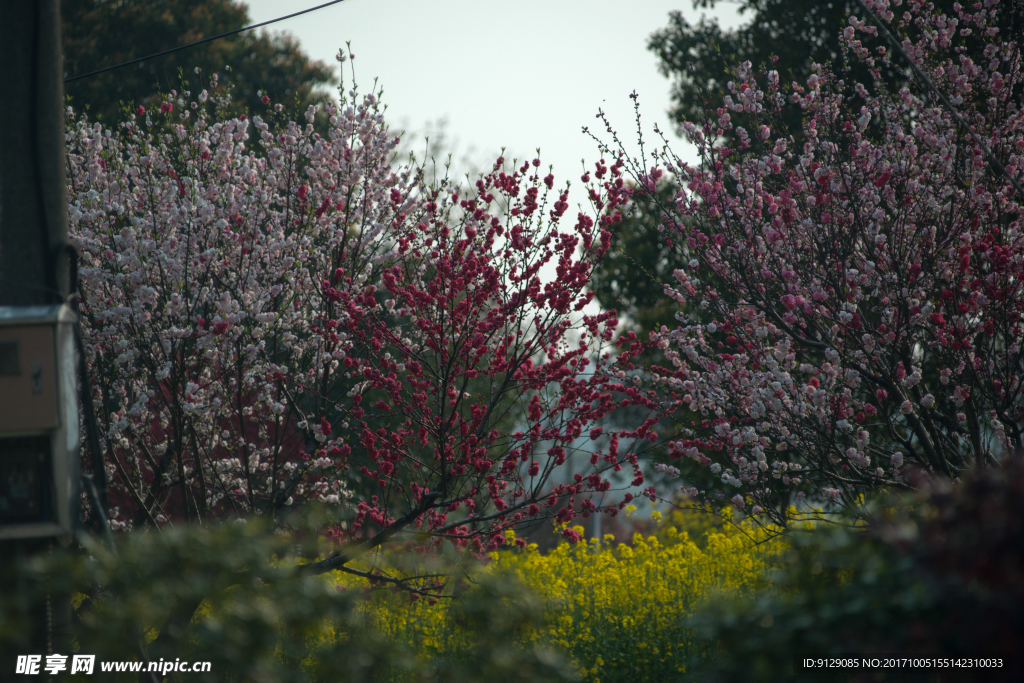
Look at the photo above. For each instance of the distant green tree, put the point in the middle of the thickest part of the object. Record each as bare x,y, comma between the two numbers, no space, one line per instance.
699,59
639,261
101,33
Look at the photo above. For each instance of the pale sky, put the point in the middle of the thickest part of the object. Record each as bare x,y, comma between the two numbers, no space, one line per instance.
518,74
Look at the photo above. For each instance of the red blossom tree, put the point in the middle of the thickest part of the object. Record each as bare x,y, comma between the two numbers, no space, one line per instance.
852,306
301,320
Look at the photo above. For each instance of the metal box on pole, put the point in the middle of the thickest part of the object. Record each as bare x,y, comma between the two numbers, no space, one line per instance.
39,429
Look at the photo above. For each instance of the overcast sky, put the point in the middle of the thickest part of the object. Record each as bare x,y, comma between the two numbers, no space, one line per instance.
517,74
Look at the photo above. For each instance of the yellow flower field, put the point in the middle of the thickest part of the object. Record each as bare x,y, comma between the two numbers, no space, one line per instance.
617,610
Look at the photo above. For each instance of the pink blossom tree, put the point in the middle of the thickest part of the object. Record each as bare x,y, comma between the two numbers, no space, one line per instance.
300,319
852,306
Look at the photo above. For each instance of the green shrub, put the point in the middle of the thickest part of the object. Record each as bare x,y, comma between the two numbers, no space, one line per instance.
941,576
218,594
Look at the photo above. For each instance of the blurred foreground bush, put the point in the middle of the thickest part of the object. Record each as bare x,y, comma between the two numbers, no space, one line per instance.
937,575
258,619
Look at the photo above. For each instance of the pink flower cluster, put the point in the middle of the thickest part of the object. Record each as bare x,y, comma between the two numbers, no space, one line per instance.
275,312
855,289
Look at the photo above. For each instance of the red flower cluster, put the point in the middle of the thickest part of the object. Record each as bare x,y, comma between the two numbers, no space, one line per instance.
311,323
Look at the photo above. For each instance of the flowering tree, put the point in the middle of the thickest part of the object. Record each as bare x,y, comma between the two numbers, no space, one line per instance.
854,296
300,320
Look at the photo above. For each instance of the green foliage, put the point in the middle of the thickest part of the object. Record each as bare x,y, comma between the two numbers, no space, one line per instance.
253,619
689,604
699,59
101,33
217,594
790,35
944,577
638,265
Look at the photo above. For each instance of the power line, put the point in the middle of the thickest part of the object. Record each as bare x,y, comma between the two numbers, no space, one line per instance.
200,42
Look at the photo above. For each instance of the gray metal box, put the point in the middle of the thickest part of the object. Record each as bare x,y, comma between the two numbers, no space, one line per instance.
39,428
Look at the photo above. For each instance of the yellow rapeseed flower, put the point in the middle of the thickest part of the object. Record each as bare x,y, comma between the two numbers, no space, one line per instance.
617,610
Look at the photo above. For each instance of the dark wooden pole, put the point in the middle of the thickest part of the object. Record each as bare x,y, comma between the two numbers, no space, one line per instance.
33,193
33,232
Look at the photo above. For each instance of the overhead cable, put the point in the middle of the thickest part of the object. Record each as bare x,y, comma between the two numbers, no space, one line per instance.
200,42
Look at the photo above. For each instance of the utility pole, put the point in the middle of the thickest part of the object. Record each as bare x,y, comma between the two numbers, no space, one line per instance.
33,192
34,268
